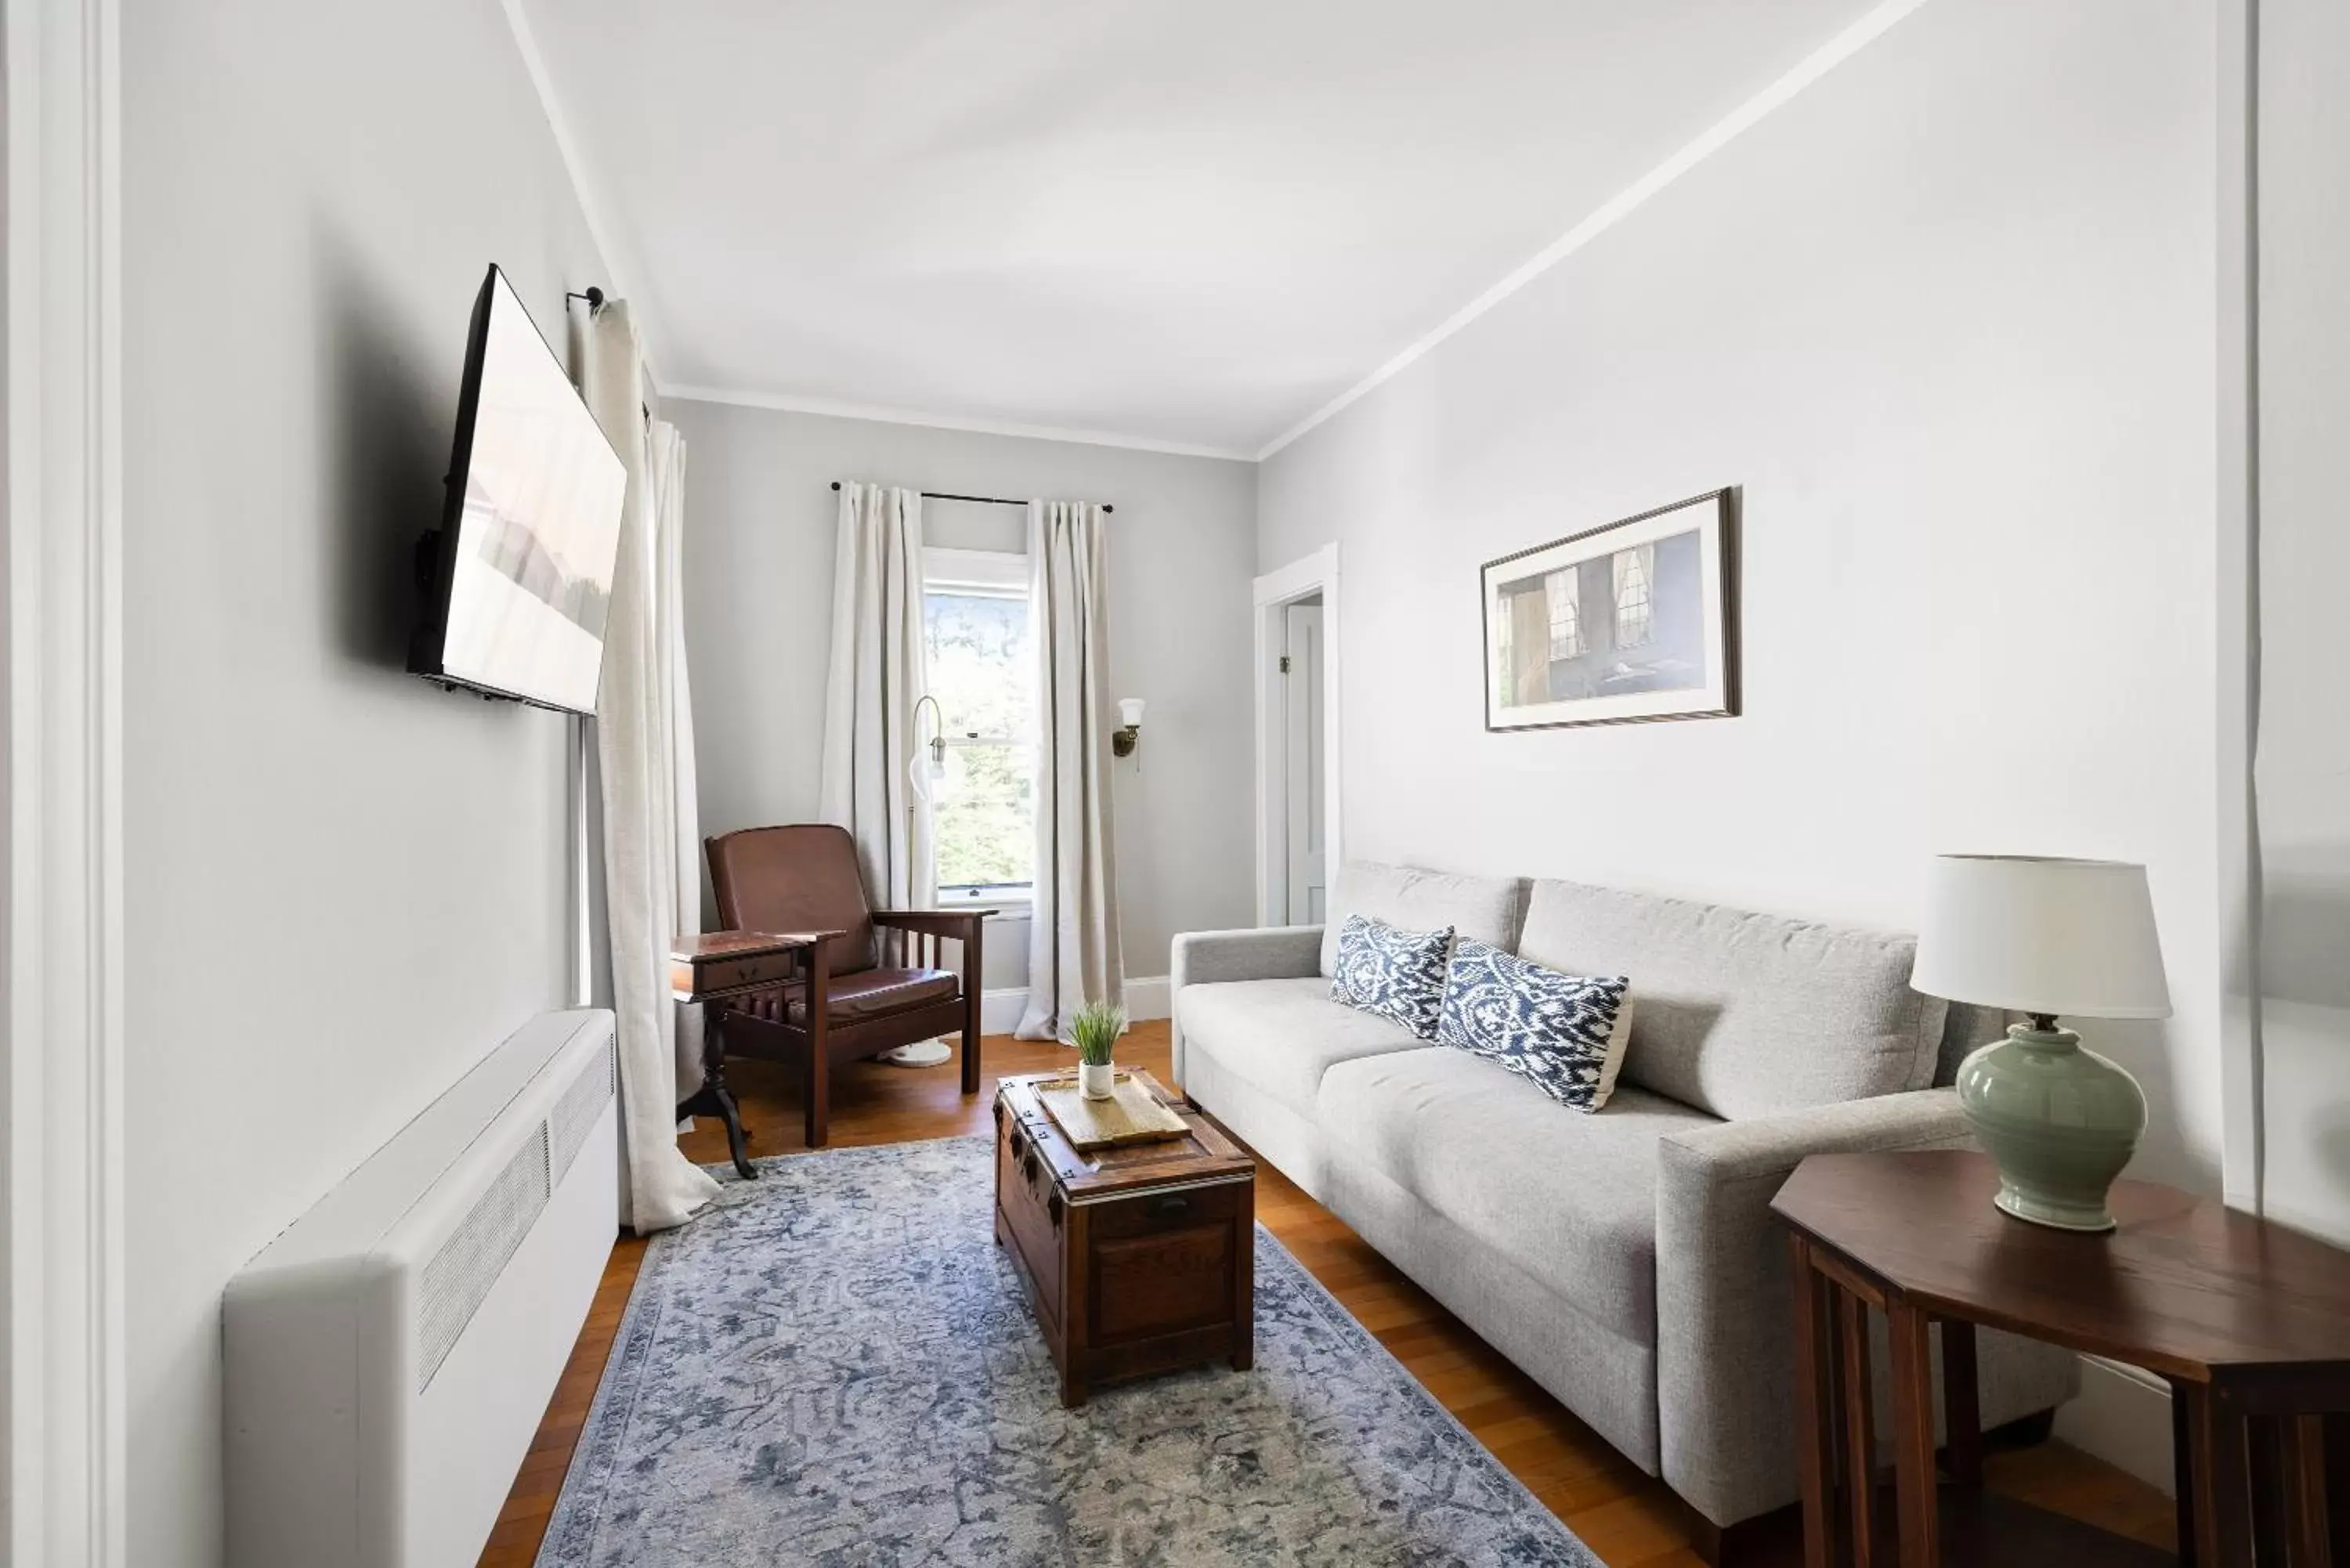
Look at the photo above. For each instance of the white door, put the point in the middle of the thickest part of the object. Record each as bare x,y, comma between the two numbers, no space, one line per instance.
1300,689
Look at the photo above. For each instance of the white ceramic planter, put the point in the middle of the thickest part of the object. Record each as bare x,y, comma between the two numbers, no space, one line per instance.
1095,1083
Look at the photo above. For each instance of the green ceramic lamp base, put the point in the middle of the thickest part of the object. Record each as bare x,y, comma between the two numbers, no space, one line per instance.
2060,1121
2055,1215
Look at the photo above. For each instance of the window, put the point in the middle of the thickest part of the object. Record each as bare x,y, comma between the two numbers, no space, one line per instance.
982,672
1635,571
1565,592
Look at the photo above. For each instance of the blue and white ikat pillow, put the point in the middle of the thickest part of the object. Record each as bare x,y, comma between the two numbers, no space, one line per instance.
1566,1032
1396,974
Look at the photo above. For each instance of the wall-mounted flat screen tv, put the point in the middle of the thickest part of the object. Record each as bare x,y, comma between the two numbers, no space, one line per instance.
518,581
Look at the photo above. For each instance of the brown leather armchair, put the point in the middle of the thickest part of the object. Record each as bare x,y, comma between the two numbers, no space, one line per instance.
867,979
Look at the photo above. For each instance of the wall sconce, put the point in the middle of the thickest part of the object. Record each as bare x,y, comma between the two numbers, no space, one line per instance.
931,779
1128,734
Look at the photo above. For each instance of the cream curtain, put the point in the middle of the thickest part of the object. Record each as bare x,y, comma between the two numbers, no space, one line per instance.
639,728
667,448
878,675
1073,945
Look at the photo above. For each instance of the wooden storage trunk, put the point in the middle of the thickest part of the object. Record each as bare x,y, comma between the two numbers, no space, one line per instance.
1138,1259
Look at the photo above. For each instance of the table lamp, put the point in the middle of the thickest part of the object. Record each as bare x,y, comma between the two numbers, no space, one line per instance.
2048,938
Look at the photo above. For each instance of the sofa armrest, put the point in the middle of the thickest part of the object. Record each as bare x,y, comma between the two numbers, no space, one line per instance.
1270,952
1215,958
1725,1299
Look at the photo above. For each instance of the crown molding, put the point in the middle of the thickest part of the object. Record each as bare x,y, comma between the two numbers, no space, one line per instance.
1871,26
621,274
784,402
619,258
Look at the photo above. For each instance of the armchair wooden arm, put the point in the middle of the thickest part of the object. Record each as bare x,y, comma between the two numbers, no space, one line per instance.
954,923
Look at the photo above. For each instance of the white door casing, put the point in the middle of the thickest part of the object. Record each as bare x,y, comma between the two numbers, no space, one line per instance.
61,1358
1302,781
1312,577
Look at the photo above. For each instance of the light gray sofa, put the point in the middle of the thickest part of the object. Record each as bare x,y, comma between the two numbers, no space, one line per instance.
1625,1259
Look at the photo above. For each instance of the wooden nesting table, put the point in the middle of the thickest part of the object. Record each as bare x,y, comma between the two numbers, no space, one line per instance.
2248,1322
1138,1259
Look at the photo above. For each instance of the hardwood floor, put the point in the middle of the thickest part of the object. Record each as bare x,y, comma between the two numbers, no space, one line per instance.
1631,1519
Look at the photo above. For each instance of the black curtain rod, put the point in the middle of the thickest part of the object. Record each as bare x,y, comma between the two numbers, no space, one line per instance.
981,500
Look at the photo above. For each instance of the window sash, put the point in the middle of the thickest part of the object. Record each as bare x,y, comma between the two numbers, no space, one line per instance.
982,574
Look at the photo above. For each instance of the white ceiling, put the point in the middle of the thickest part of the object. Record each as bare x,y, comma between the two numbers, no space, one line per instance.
1185,223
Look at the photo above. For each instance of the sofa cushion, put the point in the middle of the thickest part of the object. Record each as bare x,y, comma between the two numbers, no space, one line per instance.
1746,1014
1396,974
1278,1037
1564,1034
1410,899
1570,1201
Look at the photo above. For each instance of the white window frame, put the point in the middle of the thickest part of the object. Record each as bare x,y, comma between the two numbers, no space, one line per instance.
1003,574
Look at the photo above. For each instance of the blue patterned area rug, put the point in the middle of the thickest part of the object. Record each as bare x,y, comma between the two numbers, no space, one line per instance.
837,1367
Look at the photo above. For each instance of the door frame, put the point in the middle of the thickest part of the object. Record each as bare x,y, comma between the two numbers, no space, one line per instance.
64,1497
1316,574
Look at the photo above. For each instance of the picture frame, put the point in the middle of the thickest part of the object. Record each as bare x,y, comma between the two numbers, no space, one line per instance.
1631,622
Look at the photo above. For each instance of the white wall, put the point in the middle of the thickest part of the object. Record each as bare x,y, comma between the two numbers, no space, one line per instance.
1946,317
342,885
759,520
2302,767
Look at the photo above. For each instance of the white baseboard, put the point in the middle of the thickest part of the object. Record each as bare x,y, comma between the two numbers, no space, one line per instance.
1000,1010
1146,997
2121,1416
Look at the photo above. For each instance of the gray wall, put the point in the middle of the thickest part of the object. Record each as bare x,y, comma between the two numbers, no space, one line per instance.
342,886
759,518
2303,771
1947,316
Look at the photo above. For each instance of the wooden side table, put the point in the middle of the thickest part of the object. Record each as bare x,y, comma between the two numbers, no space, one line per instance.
2249,1322
716,969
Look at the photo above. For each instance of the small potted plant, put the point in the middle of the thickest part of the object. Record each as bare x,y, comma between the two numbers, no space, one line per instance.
1094,1030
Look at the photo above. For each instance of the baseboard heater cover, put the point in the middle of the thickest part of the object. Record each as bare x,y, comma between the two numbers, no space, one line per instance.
389,1357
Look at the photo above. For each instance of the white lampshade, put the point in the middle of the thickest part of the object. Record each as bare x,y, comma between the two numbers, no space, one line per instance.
1130,712
2070,937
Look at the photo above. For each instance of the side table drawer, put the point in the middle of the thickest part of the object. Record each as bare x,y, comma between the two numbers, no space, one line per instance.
729,974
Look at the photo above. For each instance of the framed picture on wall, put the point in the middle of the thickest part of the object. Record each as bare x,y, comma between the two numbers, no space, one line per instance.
1634,621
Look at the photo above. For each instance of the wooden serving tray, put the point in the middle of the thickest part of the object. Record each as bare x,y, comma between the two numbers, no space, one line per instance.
1131,1115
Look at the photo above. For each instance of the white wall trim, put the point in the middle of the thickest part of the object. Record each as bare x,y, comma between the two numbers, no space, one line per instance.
1000,1010
1146,997
2122,1416
1871,26
1313,574
790,403
66,1493
621,274
2236,573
